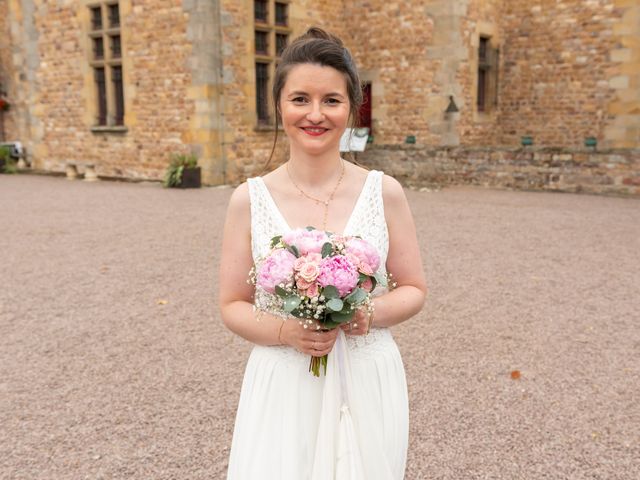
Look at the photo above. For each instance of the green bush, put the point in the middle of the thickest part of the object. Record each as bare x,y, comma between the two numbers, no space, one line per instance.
179,162
7,164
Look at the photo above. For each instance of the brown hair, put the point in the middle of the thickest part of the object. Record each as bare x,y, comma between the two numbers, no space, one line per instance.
321,48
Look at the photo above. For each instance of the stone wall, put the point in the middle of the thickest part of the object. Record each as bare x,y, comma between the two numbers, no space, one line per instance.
557,81
614,172
569,69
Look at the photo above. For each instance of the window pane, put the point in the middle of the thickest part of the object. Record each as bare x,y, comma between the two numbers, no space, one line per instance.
364,114
262,42
482,85
281,43
482,50
262,85
114,16
101,91
115,46
98,48
260,11
281,14
96,18
116,77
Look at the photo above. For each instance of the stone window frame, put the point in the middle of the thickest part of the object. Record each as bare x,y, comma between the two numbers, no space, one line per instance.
108,102
488,63
265,116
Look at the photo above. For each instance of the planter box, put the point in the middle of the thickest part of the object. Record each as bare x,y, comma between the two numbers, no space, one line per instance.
191,178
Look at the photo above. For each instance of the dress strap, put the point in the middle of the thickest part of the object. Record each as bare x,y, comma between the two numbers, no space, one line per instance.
265,223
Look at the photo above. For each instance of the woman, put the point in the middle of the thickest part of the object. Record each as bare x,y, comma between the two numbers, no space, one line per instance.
289,425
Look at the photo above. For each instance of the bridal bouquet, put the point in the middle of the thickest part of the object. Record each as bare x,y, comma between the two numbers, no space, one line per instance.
320,278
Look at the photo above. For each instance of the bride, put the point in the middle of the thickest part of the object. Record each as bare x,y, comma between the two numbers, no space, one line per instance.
352,423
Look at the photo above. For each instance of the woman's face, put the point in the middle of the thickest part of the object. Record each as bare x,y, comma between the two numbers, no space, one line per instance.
314,106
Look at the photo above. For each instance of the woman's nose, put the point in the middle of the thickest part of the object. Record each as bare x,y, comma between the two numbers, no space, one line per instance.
315,115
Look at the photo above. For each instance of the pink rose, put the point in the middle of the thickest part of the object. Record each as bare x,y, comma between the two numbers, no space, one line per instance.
366,269
367,285
306,241
299,263
312,291
276,269
364,251
310,271
339,272
301,283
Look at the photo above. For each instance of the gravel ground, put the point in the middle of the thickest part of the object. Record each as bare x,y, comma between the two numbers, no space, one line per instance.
114,362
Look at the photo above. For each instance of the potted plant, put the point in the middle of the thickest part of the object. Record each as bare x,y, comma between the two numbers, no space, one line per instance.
7,164
183,172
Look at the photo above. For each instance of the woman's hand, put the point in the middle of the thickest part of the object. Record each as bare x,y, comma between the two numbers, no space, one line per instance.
359,325
311,341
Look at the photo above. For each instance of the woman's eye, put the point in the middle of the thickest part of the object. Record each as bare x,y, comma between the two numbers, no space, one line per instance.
298,99
333,101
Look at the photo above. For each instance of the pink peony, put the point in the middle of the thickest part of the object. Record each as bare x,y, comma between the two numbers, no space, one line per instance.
365,252
339,272
306,241
277,268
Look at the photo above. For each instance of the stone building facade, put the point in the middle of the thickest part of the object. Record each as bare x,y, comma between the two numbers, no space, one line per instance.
454,86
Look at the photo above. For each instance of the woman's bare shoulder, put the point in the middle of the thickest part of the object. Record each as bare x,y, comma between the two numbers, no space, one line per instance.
240,201
392,191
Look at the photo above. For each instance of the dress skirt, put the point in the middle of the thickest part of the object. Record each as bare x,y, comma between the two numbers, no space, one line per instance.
288,421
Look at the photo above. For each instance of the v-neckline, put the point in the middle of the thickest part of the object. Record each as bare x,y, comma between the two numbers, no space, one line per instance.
349,220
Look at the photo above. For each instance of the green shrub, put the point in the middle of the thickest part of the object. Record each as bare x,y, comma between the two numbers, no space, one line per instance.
7,164
179,162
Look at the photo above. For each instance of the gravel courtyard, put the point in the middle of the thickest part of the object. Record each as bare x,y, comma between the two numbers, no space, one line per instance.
114,363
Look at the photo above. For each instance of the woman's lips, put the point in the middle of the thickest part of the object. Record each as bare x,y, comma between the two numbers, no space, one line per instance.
314,131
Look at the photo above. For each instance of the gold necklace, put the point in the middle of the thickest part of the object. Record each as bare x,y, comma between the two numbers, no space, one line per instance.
317,200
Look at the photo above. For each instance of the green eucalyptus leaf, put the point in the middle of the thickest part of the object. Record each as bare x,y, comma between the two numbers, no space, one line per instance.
275,240
357,296
381,279
327,249
293,249
281,292
335,304
341,318
330,324
291,303
330,292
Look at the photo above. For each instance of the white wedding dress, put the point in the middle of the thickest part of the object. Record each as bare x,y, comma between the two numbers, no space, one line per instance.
352,424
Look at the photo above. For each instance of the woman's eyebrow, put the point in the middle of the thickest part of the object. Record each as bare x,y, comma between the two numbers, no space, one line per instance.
302,92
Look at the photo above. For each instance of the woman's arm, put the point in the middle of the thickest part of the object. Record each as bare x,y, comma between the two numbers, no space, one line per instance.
403,261
236,295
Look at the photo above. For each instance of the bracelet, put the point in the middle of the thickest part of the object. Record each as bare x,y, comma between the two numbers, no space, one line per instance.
279,333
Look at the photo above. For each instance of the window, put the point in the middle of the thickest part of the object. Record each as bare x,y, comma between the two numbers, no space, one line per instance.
364,114
281,14
271,36
260,11
488,61
106,61
281,42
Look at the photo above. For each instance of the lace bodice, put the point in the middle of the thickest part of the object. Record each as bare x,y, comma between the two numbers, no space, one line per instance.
367,220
